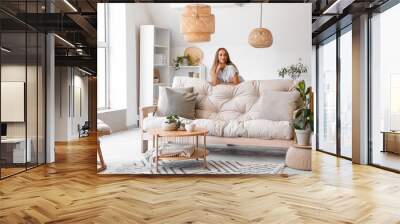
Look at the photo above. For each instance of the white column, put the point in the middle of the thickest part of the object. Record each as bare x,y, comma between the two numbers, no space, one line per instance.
360,90
50,99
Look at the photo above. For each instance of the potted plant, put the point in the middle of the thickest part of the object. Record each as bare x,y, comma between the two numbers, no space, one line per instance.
294,71
172,123
304,119
182,60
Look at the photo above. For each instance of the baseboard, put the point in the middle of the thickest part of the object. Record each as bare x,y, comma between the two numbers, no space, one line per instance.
132,126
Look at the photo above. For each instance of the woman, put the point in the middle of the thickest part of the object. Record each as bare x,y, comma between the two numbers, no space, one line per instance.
223,71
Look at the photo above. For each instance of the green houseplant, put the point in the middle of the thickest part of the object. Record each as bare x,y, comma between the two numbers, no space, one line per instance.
293,71
171,123
182,60
303,122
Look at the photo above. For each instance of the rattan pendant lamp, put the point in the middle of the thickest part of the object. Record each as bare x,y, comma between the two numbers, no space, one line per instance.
260,37
197,23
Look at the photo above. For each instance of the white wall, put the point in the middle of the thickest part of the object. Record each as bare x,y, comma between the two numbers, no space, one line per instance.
134,21
290,25
125,21
117,56
115,119
61,104
66,120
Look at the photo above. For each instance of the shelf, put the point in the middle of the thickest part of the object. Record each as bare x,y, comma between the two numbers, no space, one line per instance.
160,84
160,65
160,46
186,66
197,154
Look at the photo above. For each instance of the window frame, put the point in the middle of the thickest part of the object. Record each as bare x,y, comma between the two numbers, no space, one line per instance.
105,45
334,37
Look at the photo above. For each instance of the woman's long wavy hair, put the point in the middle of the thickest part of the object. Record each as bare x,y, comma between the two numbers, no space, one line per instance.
216,61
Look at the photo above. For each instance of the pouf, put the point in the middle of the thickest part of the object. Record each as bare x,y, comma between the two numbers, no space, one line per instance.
299,157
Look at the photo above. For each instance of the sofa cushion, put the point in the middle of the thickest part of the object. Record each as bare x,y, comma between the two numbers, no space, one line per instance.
231,102
176,101
263,129
267,129
152,122
276,105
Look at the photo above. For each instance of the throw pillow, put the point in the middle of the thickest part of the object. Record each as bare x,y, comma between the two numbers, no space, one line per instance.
278,105
178,101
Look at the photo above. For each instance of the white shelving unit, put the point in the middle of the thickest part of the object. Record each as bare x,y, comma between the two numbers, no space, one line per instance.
185,69
154,41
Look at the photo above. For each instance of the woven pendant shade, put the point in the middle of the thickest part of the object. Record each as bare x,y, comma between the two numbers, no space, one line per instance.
197,23
260,37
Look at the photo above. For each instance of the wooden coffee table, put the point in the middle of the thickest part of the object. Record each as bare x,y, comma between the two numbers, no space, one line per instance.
186,137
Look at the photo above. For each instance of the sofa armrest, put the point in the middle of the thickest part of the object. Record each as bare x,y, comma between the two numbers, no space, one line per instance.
144,112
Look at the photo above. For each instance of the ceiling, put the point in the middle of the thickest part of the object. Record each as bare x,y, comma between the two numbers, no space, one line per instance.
75,21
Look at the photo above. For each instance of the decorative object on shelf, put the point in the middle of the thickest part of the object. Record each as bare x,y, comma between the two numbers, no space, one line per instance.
294,71
191,74
304,119
172,123
260,37
156,75
195,54
160,59
196,75
182,60
197,23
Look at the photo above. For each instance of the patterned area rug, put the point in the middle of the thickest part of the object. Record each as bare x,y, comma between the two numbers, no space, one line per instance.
195,167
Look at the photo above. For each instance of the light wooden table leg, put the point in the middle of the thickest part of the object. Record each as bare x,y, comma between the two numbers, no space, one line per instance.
205,152
197,145
103,165
157,153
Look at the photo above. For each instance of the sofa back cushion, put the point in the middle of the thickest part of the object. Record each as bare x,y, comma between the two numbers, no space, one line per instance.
276,105
176,101
231,102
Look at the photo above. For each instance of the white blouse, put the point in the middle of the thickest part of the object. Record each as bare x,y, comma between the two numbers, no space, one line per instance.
227,73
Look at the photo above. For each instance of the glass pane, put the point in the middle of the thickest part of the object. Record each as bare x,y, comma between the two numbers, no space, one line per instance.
41,98
327,97
101,22
13,87
385,84
346,94
101,77
31,99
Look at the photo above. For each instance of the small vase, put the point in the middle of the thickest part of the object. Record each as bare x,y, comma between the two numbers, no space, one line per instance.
169,126
303,137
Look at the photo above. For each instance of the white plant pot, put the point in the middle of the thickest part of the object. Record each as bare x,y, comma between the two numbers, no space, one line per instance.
169,127
303,136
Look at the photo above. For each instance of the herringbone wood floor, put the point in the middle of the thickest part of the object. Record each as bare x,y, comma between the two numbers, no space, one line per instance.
70,191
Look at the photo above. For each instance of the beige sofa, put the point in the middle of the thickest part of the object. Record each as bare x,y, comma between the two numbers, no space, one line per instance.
236,114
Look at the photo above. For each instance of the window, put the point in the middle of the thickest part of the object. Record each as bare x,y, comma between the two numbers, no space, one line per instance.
385,89
327,96
102,62
346,75
394,101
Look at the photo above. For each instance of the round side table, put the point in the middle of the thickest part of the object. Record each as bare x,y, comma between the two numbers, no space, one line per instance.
192,137
299,157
